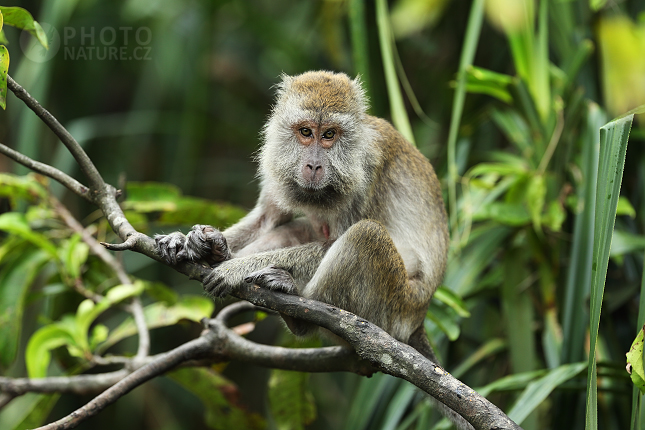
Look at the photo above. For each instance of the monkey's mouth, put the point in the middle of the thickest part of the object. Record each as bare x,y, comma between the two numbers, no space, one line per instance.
312,194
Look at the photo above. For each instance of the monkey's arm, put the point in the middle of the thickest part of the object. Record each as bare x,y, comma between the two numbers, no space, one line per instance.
266,227
300,261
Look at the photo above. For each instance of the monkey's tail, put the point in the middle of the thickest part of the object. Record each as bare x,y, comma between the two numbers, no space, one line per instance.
419,341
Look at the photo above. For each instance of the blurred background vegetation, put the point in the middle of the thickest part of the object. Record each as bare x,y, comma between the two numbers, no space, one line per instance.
504,99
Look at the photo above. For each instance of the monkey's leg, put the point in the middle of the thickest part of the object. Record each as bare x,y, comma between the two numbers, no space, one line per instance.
362,272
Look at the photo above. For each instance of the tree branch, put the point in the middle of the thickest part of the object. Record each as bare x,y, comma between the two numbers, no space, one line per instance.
70,183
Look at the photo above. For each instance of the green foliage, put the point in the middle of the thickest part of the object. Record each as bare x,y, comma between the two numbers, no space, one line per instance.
219,396
292,404
19,18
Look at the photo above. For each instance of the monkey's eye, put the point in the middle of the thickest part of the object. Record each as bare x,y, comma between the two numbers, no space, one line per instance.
306,132
329,134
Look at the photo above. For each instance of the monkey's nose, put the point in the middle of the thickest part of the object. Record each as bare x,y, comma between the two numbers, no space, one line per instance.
313,172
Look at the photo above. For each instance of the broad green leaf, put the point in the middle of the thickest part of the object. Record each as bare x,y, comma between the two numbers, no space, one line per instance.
15,223
291,402
15,279
4,70
20,18
452,300
88,311
537,391
193,308
218,396
635,362
1,20
370,394
37,355
613,145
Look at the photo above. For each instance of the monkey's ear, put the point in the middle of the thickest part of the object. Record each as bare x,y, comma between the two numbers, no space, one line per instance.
361,94
282,86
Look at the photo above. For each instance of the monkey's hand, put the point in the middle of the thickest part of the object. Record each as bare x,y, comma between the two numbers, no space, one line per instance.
232,273
203,242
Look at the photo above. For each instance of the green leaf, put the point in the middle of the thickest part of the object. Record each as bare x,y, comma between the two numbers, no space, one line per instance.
4,70
15,279
535,196
99,334
386,41
192,308
452,300
16,223
485,81
624,242
473,29
73,254
27,411
24,187
537,391
218,395
512,214
291,402
37,355
555,216
447,321
20,18
175,209
613,146
517,381
635,362
625,207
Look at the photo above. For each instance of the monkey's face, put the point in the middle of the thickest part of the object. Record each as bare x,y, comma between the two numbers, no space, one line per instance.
316,141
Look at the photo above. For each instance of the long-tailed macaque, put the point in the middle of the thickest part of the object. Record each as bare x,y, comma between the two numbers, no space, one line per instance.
349,212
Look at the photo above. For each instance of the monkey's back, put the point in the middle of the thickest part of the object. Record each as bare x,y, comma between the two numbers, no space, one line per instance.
406,197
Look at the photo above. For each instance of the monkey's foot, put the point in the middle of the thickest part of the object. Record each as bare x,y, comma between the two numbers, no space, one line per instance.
273,278
171,246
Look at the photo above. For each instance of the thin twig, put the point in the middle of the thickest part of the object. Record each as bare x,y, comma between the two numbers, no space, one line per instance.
84,162
70,183
135,307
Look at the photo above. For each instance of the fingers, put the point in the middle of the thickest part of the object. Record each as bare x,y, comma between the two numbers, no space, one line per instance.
273,278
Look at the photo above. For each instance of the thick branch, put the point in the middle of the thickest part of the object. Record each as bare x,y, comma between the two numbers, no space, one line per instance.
70,183
84,162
